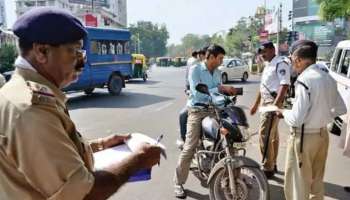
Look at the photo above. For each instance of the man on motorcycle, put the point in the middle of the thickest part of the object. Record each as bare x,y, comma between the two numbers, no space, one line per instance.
206,73
200,57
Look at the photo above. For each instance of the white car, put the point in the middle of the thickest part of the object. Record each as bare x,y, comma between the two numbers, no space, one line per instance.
233,68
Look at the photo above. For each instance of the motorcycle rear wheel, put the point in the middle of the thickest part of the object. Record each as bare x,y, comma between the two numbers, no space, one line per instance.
251,184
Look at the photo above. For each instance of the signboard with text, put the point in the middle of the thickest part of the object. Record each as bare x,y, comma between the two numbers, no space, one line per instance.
90,20
263,36
304,8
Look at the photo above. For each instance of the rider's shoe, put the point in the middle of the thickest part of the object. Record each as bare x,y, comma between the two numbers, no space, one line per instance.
180,192
269,174
347,188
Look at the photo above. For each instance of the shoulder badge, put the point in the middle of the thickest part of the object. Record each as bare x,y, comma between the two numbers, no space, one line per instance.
41,94
282,72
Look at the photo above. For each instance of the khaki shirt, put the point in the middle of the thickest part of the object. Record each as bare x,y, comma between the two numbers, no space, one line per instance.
42,156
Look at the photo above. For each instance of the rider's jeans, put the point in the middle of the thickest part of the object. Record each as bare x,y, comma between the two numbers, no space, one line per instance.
183,122
194,123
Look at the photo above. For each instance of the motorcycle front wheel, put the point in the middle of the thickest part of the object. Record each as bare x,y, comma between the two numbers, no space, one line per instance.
251,184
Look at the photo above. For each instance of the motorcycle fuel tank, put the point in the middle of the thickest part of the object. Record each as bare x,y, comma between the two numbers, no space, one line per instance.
210,128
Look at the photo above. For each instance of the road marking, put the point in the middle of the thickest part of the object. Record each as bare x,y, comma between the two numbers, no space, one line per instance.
164,106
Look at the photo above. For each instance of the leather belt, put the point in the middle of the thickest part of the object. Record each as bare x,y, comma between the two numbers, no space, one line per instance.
307,130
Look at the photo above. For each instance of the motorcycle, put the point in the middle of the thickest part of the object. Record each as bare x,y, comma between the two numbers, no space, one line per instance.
220,156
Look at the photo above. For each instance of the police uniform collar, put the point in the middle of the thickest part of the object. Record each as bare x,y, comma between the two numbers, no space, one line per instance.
306,70
22,63
36,77
274,59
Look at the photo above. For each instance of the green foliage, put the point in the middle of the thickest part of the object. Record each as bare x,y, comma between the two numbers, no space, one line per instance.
235,42
332,9
8,54
151,38
190,43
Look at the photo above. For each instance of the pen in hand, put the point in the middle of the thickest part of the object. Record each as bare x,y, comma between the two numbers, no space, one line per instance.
159,139
157,142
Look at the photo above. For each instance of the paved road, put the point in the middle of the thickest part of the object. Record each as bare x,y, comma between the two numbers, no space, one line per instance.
152,108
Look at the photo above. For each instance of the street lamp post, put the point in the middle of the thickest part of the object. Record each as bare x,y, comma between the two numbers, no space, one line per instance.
279,26
264,15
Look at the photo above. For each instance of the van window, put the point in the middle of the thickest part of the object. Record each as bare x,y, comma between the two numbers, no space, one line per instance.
344,68
94,47
109,47
336,59
126,48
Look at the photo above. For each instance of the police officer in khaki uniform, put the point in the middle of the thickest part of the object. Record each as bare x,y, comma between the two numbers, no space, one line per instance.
275,81
42,155
317,102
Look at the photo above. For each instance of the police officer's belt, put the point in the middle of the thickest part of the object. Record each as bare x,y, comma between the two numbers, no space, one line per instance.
307,130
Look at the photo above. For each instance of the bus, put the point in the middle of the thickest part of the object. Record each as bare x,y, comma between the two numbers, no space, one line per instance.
339,70
108,61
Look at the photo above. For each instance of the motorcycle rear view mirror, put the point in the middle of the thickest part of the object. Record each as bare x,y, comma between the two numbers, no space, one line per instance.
202,88
239,91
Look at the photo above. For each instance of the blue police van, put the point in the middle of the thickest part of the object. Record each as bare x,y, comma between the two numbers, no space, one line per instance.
108,61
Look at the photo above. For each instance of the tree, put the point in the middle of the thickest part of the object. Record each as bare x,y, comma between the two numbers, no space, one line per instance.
218,39
332,9
243,37
189,43
8,54
150,39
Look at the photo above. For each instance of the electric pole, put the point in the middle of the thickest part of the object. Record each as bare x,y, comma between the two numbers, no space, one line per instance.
264,14
279,26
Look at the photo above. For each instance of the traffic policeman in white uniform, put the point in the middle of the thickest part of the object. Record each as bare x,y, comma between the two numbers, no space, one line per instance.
317,102
275,81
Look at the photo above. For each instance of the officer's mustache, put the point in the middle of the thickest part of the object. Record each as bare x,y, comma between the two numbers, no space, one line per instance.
80,64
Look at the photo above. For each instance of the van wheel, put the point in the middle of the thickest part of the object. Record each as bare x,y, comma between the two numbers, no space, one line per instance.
245,77
89,91
115,84
224,78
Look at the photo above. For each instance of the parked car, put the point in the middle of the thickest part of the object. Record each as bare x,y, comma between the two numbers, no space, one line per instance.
234,68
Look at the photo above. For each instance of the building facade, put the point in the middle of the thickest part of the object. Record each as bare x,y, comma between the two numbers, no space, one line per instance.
2,14
100,13
309,26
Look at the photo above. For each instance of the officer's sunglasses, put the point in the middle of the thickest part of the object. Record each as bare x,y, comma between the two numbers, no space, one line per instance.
77,51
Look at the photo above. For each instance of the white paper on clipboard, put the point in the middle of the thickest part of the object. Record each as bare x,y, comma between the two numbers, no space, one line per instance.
137,139
269,108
